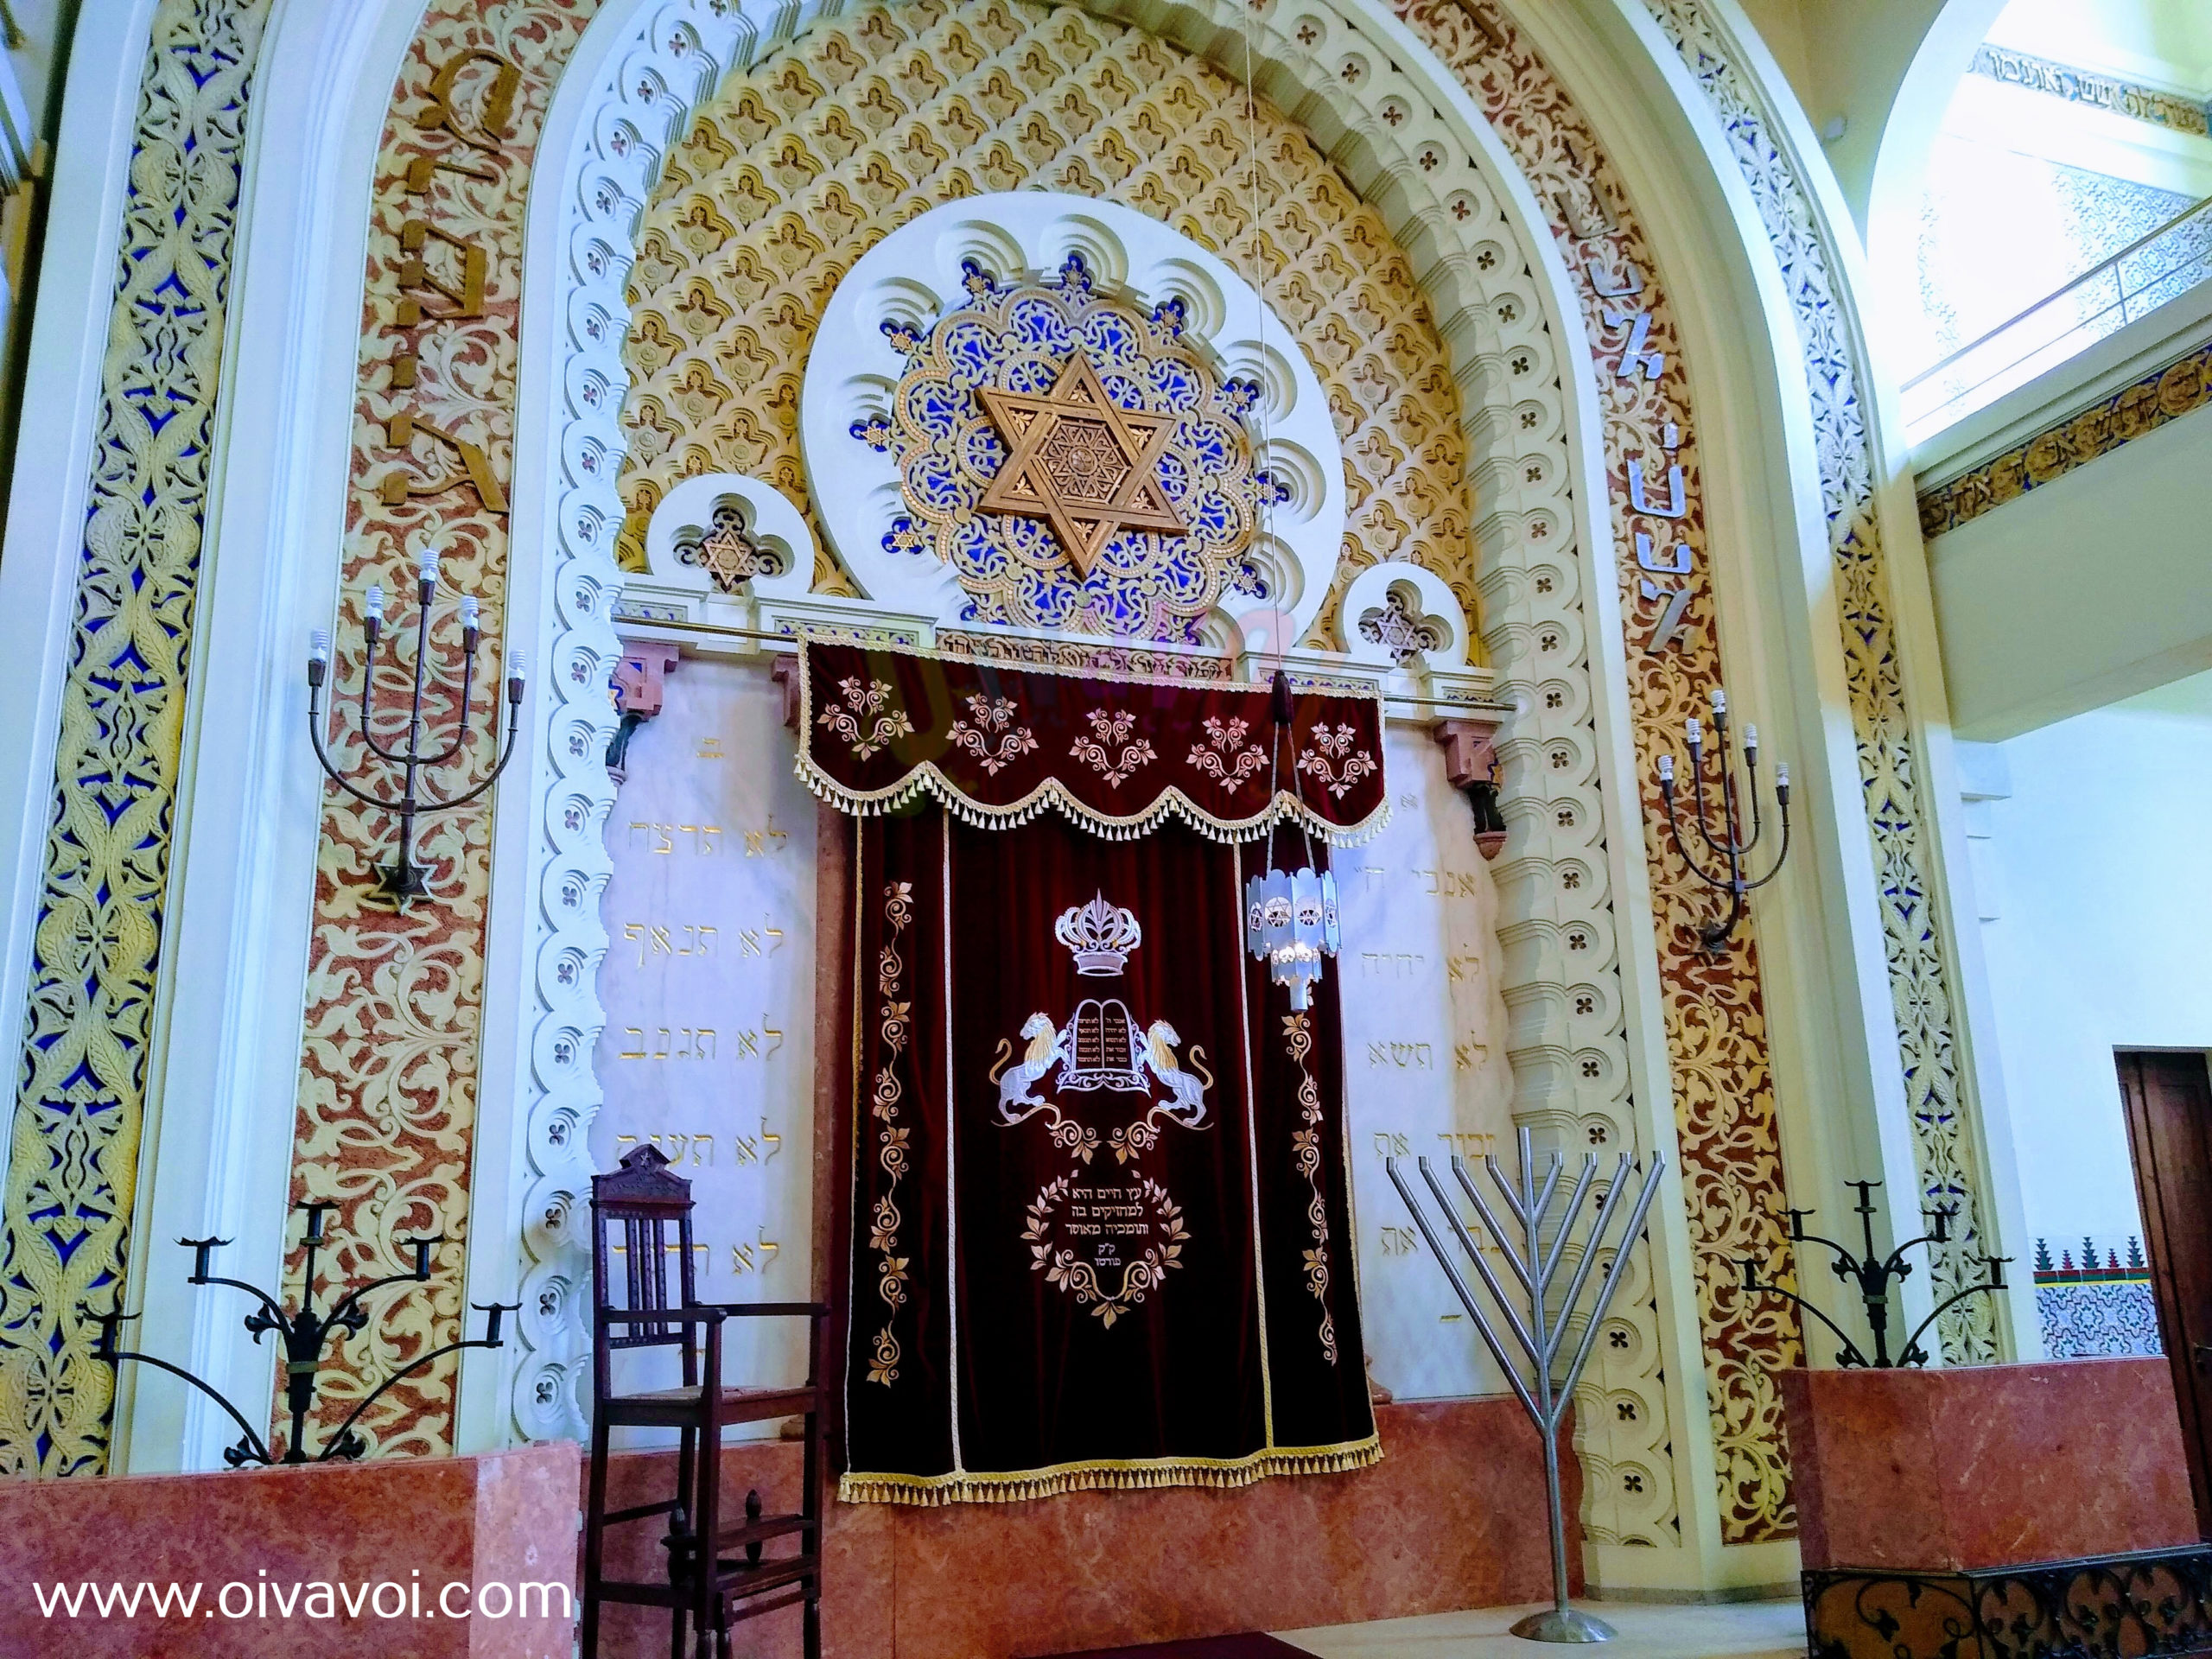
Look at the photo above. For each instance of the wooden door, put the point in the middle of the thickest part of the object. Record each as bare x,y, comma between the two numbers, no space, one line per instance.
2168,1099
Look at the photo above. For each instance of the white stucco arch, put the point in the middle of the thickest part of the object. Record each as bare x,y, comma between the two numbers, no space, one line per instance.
1899,175
1502,301
1500,294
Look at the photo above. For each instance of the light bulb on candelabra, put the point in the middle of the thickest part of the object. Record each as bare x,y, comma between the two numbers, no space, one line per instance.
1727,838
404,878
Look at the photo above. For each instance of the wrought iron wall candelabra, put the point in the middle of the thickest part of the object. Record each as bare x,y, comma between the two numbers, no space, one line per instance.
304,1334
1874,1273
1534,1248
1730,846
404,878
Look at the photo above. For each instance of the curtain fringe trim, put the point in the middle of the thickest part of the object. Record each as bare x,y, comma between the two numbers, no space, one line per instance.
1285,810
933,1492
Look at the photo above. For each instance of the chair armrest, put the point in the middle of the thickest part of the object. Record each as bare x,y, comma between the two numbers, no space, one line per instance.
697,1313
789,1310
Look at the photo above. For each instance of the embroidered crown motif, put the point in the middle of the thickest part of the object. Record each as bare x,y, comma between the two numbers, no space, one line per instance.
1101,936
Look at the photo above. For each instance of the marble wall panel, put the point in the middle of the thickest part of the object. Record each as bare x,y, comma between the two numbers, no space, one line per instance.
709,988
1425,1068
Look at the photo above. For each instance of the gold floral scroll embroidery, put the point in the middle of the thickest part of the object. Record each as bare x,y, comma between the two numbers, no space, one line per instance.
1305,1152
893,1155
1111,750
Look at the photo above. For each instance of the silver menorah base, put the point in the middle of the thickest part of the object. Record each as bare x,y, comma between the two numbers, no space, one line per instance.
1563,1624
1541,1249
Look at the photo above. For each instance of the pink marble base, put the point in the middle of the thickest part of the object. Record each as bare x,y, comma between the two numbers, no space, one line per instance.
1990,1465
471,1523
1452,1516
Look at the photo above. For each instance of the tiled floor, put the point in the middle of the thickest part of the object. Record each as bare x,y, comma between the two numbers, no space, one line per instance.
1743,1630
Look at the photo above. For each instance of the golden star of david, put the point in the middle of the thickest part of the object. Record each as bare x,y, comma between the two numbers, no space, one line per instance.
1075,460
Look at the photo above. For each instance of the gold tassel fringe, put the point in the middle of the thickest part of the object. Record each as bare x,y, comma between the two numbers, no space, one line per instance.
933,1492
1285,809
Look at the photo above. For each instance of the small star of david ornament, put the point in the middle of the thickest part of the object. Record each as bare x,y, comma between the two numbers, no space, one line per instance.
1077,459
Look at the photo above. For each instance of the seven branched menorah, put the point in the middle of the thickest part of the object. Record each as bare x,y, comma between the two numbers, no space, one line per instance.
1542,1333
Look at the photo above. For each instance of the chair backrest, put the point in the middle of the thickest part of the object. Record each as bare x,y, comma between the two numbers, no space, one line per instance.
633,1209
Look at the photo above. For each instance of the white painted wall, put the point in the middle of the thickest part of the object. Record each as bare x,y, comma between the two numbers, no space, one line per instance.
2098,930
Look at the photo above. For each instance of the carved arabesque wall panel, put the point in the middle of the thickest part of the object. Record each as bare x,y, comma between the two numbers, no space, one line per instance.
794,170
386,1123
1713,1008
80,1105
1892,764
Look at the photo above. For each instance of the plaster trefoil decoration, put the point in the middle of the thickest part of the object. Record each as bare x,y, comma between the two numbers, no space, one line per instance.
1112,357
1923,981
718,548
1403,624
73,1147
1432,182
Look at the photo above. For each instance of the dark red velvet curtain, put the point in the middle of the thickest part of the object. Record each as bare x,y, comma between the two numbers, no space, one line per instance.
1101,1234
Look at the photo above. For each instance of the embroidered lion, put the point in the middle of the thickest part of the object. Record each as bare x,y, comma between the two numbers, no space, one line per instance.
1190,1103
1045,1050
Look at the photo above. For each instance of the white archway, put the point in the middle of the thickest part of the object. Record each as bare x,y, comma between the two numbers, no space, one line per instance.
1409,137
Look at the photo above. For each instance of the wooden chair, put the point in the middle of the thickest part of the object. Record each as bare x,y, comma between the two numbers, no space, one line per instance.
719,1573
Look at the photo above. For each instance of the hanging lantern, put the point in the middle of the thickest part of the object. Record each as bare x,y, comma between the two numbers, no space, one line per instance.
1290,923
1290,916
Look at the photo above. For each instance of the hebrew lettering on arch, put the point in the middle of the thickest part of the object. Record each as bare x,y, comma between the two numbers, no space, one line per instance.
465,294
491,97
475,469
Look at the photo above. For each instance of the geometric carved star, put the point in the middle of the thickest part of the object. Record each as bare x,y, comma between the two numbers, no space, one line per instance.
1077,460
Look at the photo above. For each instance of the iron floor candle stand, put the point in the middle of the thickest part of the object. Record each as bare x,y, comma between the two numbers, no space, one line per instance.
1730,846
304,1334
1534,1247
1874,1273
404,878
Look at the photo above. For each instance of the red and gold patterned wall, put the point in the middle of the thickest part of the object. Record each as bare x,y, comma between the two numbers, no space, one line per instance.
1714,1007
387,1114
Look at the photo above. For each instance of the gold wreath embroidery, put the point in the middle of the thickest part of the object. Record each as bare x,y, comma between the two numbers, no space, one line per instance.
1062,1269
1330,747
1305,1152
1233,766
897,1017
865,703
1111,747
983,739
